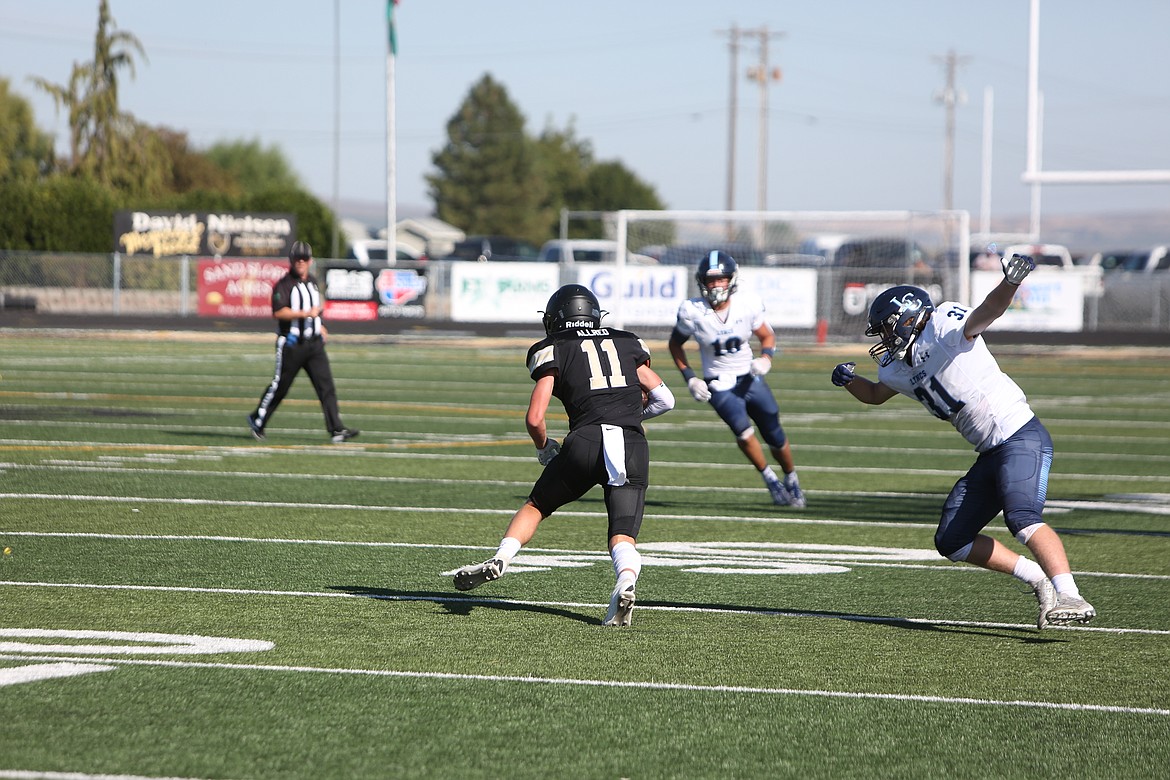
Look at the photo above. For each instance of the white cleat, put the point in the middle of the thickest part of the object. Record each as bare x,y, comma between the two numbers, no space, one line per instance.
795,496
1046,598
780,494
621,607
1070,609
478,573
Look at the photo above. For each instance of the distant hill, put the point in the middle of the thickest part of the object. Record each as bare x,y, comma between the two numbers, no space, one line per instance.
1098,232
373,212
1082,233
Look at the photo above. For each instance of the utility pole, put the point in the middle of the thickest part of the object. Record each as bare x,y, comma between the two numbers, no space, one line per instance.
762,74
732,109
950,97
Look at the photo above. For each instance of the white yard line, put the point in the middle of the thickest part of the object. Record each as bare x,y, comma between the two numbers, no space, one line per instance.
635,684
1134,507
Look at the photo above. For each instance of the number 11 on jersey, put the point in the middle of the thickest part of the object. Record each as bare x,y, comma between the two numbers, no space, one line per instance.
598,378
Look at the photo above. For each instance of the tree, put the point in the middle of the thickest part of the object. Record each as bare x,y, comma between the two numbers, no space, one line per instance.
26,153
191,169
102,138
254,168
563,162
610,186
491,178
488,178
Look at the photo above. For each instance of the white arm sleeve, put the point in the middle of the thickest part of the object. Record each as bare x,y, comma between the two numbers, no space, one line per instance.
661,401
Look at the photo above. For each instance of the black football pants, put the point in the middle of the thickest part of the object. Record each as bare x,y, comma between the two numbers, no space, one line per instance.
309,355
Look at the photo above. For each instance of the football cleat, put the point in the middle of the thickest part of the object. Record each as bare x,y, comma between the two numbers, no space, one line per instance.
780,494
621,607
1046,598
795,495
344,435
256,428
478,573
1070,609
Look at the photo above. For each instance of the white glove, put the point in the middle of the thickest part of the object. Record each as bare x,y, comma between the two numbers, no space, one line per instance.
761,366
699,389
1017,268
549,451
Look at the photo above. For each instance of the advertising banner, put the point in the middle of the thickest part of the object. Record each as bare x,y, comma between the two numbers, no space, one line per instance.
349,294
1046,301
501,292
789,294
636,294
194,233
371,293
237,288
401,292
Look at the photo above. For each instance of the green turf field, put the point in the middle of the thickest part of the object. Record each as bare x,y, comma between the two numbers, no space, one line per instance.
182,601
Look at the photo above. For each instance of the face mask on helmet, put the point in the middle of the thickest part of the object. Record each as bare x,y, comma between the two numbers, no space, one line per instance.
572,306
716,266
897,317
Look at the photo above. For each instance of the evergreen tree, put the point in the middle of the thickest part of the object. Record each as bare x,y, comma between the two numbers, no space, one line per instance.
564,162
488,178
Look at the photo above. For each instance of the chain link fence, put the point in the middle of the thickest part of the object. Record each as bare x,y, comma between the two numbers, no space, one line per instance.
111,284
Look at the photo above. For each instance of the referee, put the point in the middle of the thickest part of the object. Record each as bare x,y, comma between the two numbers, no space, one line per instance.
300,343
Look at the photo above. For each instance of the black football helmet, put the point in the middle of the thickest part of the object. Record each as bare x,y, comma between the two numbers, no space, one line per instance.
572,306
717,265
897,316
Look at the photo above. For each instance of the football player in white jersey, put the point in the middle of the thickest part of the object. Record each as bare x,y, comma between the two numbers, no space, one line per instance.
938,356
722,320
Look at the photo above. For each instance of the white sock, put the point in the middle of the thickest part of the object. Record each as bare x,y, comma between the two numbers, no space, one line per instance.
627,564
1064,584
790,479
1028,570
508,549
769,475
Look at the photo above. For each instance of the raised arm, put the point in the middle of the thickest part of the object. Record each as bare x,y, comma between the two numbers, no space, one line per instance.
999,299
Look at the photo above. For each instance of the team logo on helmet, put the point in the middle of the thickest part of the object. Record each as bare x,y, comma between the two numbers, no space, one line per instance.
897,317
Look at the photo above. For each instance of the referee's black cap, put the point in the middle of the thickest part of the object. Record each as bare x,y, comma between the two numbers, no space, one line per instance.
300,251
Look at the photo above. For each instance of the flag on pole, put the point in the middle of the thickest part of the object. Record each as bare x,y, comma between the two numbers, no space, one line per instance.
390,26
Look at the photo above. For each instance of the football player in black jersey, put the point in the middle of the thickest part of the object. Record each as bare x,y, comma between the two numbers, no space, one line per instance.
603,378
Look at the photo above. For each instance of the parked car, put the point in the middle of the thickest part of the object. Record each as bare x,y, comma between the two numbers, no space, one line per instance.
494,248
1141,261
375,249
691,254
1045,255
882,253
588,250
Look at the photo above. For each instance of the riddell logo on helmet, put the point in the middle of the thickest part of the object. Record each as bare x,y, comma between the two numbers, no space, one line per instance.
579,324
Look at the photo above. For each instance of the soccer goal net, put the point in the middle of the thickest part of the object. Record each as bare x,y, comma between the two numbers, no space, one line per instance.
815,269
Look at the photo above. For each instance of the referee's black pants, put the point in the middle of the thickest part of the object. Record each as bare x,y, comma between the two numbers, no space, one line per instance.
309,355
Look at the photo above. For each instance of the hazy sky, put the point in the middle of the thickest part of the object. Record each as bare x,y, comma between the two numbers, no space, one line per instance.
854,122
